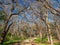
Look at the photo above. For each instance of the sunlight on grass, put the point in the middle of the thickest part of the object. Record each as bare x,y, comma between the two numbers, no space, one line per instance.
11,41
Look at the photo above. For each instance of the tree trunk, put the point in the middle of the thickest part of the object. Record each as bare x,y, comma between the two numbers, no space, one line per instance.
58,35
5,33
49,36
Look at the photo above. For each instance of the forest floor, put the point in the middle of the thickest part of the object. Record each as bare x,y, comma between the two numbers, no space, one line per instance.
30,41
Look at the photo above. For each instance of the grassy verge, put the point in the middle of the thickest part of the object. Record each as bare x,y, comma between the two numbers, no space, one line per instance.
10,42
58,43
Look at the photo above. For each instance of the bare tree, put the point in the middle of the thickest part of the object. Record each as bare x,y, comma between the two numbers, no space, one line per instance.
8,9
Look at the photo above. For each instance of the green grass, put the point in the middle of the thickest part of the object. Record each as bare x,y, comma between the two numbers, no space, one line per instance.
11,41
57,43
44,44
38,40
44,39
15,40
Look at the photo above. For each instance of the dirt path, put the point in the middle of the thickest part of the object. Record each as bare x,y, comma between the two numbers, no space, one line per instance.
29,41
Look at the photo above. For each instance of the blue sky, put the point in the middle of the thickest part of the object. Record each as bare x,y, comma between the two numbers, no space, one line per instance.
27,4
55,5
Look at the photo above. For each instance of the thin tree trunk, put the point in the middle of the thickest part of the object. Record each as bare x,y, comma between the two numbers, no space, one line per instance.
49,36
58,35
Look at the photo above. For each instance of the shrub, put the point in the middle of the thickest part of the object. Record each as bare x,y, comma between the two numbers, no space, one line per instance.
44,39
37,40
